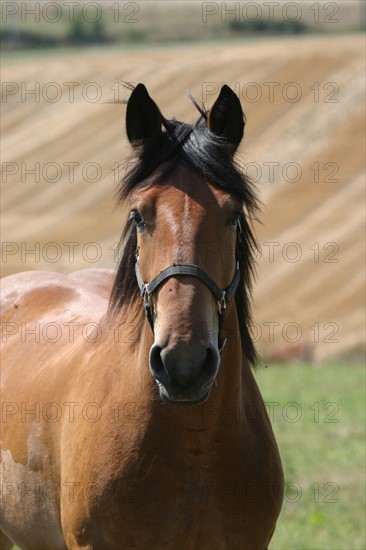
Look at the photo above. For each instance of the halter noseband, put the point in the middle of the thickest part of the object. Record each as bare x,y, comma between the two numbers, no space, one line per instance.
222,296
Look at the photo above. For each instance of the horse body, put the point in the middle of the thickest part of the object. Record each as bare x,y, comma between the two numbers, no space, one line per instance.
38,342
71,467
92,457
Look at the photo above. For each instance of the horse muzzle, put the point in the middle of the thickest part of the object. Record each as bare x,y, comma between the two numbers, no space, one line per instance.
184,372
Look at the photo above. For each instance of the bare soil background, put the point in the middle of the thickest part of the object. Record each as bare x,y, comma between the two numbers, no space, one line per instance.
304,145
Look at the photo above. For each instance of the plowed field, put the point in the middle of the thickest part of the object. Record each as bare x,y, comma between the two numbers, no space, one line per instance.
304,145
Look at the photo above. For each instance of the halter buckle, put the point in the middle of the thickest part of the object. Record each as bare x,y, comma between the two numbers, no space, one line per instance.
146,296
222,302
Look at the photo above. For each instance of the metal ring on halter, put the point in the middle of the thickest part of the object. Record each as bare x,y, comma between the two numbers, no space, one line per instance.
222,302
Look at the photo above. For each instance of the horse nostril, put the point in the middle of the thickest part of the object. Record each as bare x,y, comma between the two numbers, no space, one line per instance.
211,363
156,364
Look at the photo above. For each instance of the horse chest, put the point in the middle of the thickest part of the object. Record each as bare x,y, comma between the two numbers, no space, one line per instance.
192,503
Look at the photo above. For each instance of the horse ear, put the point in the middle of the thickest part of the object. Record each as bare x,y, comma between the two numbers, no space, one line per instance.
226,117
143,118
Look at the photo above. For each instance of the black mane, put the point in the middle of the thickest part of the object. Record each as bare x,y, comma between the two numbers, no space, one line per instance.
208,155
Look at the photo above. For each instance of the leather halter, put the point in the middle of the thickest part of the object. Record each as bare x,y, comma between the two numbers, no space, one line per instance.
176,270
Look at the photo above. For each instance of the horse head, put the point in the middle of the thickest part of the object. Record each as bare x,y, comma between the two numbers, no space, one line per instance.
186,212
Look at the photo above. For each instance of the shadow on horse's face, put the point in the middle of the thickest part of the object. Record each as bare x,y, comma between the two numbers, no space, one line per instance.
185,221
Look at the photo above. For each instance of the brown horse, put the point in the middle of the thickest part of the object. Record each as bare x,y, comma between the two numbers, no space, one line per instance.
102,446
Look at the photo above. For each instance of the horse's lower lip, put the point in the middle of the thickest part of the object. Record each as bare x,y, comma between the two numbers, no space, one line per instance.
184,402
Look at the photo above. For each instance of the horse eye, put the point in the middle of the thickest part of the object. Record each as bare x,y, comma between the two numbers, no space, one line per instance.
137,218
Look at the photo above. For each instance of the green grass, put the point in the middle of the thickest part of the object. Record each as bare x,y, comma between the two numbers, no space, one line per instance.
323,458
322,453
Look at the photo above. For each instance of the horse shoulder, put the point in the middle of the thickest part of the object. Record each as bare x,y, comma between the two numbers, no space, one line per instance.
34,294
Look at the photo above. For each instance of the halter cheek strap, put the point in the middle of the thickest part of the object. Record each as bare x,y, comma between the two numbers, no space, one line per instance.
176,270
